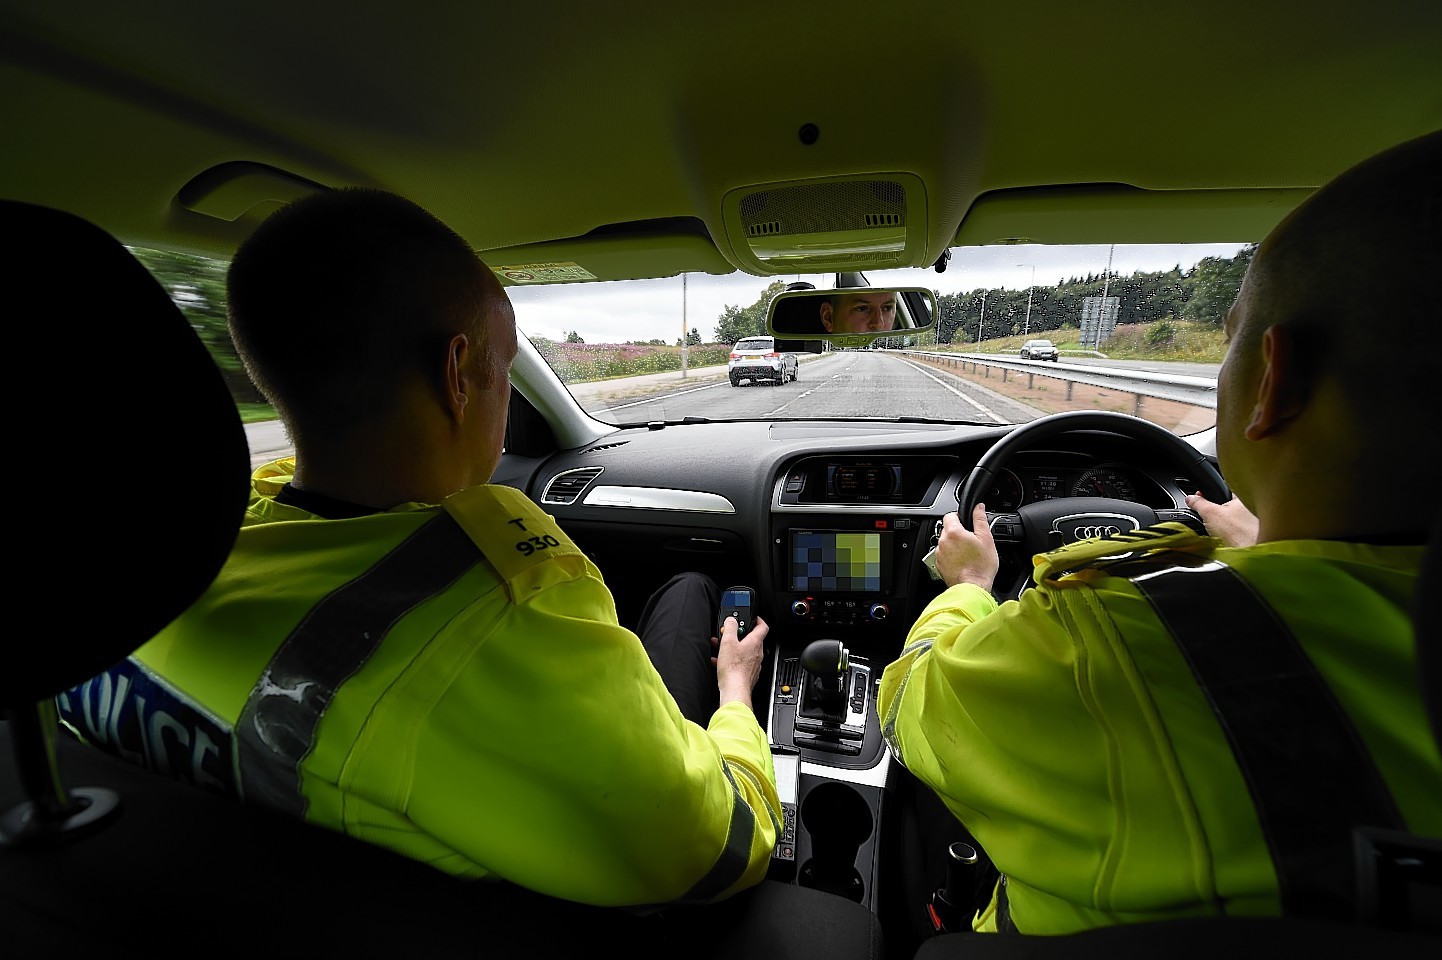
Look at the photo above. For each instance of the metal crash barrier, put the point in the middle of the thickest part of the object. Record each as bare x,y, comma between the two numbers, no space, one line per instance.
1193,391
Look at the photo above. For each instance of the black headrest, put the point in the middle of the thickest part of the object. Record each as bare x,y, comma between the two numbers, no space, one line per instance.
129,478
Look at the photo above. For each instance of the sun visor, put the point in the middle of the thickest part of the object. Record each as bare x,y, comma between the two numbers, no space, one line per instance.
1119,213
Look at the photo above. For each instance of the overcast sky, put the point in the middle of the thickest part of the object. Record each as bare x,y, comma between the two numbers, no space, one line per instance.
652,309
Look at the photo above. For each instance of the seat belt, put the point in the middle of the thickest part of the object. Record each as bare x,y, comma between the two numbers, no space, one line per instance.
1309,774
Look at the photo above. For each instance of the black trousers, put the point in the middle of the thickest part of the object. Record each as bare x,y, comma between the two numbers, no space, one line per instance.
676,627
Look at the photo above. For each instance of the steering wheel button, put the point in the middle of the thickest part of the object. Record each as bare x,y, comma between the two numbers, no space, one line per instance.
1007,528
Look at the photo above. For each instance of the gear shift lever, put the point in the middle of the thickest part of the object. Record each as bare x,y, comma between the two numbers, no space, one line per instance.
823,657
826,663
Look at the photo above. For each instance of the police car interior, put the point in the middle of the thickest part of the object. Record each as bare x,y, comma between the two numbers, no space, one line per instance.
718,159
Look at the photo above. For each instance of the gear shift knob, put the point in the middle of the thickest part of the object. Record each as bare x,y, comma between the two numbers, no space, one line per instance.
825,658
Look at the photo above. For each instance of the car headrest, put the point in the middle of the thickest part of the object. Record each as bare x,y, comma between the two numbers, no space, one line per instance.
130,477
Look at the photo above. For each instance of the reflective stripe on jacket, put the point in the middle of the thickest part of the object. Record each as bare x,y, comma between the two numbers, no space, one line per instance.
449,682
1067,732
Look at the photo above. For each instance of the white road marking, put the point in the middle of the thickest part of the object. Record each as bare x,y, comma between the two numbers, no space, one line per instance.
799,396
680,393
947,386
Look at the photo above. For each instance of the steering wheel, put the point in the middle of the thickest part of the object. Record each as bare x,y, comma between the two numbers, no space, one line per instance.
1039,527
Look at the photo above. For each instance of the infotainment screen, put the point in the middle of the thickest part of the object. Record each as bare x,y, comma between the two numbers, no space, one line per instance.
836,561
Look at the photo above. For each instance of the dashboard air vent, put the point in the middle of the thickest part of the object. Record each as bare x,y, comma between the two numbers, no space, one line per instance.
565,487
605,446
790,673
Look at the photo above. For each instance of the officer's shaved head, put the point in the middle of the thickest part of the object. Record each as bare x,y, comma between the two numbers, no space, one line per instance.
341,296
1353,264
1325,388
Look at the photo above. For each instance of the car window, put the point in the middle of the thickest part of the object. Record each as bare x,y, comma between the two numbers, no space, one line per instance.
1144,320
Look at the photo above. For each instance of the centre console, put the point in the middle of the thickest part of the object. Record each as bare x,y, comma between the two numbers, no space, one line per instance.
855,573
831,762
823,724
847,535
843,585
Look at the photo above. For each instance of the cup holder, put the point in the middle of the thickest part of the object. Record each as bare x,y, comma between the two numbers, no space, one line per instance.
838,821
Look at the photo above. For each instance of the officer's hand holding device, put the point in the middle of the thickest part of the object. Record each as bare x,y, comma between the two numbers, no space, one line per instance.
738,602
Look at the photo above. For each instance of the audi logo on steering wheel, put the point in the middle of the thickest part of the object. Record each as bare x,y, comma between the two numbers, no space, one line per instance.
1088,526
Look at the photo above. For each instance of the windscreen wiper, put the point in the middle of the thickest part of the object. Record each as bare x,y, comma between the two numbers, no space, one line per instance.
663,424
976,423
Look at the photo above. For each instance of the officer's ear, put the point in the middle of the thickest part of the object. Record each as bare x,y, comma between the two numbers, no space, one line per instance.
1283,389
457,381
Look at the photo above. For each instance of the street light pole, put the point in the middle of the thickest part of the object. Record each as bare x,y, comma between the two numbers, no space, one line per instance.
1026,324
685,347
1106,288
980,319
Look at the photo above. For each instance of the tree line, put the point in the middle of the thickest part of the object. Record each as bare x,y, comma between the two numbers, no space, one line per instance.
1201,294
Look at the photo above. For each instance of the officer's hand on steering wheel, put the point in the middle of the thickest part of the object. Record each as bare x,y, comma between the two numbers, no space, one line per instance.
967,556
1231,522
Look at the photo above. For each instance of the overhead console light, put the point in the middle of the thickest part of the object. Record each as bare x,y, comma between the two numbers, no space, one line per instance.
833,224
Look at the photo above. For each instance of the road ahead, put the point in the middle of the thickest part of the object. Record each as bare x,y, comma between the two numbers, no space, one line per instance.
852,383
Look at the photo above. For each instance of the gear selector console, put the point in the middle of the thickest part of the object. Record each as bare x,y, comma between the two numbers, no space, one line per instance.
834,694
823,713
821,703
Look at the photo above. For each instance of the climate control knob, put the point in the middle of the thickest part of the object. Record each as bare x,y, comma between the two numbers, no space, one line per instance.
801,608
879,611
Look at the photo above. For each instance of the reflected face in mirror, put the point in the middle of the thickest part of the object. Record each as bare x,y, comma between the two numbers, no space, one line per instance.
859,312
850,316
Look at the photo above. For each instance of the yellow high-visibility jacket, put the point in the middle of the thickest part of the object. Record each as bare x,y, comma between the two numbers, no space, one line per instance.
1067,733
449,682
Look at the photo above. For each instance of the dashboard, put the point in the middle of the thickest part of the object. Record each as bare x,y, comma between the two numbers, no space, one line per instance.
828,521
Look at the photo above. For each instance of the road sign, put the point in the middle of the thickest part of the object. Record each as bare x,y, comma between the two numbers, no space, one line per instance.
1098,320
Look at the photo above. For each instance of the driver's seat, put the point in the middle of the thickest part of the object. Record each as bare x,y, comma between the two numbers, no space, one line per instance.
100,855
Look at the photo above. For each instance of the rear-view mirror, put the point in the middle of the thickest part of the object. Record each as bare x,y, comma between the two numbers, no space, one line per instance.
851,316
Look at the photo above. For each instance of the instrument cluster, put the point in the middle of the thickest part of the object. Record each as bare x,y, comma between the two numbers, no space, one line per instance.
1019,484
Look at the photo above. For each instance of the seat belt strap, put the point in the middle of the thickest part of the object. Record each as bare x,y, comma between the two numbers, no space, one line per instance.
280,721
1310,776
